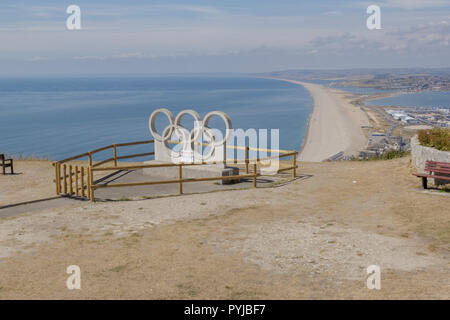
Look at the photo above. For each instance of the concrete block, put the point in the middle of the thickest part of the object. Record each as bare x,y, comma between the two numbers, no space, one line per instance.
197,171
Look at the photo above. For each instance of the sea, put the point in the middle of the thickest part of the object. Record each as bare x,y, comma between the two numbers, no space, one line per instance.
427,99
58,117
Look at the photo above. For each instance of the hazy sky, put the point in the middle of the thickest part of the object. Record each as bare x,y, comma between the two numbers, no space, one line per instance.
220,36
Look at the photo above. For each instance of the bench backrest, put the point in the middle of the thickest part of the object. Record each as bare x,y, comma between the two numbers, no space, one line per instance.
440,167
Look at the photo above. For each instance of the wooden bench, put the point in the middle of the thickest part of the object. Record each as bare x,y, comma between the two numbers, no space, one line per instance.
6,163
441,171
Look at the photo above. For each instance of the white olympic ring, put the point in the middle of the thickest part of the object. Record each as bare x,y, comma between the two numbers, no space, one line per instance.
200,127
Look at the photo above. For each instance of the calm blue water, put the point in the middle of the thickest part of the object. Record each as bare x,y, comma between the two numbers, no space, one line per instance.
361,90
61,117
433,99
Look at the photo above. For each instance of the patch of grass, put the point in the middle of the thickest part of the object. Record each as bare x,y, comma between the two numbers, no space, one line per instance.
437,138
187,288
118,268
404,235
236,210
132,240
124,199
445,189
235,295
440,234
388,155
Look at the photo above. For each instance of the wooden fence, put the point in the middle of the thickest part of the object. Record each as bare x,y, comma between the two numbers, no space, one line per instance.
78,180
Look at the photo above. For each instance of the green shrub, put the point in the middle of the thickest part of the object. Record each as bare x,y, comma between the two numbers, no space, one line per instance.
392,154
438,138
387,155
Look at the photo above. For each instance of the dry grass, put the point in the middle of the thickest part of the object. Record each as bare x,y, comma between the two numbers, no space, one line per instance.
310,239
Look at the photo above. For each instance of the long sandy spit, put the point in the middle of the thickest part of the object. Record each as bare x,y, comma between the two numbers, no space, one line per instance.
334,125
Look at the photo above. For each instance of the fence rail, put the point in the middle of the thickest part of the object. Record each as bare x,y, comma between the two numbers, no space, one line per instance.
78,180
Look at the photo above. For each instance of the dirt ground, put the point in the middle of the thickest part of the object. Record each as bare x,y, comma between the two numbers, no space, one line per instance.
312,238
31,181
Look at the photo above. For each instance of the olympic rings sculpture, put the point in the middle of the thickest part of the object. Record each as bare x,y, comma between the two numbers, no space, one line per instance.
200,129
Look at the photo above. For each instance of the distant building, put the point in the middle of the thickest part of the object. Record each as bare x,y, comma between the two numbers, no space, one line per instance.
376,138
402,116
409,119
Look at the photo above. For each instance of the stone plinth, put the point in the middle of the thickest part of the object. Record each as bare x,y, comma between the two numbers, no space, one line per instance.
196,171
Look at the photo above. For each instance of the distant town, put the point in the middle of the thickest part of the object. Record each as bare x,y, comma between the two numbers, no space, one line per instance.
405,83
406,80
402,123
434,117
395,125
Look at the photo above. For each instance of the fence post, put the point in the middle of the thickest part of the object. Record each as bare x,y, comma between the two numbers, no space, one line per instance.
91,184
224,150
82,182
65,178
180,177
294,164
76,181
246,159
90,159
57,178
254,175
115,155
70,180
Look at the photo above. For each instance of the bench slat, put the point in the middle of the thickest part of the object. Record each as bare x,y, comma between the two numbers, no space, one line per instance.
444,163
431,176
439,170
438,167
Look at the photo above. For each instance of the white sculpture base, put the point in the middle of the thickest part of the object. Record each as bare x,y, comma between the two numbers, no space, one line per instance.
164,154
196,171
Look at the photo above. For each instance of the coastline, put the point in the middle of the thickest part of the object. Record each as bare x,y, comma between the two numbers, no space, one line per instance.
334,125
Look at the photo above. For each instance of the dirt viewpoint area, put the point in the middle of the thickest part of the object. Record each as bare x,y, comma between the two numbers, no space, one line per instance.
309,239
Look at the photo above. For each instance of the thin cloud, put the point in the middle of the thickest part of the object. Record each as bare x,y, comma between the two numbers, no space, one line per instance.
429,35
332,13
197,9
409,4
37,58
90,58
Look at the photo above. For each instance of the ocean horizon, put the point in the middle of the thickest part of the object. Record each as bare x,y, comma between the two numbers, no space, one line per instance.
58,117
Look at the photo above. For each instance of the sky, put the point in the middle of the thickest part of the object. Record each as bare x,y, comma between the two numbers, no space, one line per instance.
239,36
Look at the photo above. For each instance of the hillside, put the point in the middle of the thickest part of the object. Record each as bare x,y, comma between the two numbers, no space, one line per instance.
311,238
